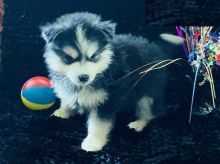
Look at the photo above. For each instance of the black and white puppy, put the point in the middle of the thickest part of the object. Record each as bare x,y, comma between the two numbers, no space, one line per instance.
84,57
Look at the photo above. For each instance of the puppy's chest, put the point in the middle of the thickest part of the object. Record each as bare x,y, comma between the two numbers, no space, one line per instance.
91,98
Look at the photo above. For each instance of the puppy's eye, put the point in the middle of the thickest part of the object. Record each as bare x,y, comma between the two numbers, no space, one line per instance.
94,57
67,59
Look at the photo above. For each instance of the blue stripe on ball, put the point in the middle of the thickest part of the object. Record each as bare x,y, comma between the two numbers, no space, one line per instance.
39,95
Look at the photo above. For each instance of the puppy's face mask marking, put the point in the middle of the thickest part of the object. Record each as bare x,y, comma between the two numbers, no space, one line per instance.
80,53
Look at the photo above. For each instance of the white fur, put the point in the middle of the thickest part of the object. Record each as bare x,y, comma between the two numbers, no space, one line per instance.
70,51
89,68
73,71
64,113
144,107
68,100
98,131
90,98
53,61
144,114
87,47
87,96
137,125
172,38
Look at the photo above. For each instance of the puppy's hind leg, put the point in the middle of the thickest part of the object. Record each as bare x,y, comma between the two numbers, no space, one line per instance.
143,113
63,112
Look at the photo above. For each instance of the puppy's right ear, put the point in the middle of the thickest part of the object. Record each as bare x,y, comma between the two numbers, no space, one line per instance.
48,33
108,28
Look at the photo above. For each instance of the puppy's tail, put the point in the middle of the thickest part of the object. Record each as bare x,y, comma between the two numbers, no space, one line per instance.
173,39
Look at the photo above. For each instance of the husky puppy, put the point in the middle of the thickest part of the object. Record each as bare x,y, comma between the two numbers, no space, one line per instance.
84,57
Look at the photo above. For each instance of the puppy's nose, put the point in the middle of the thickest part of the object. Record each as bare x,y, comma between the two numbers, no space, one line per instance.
83,78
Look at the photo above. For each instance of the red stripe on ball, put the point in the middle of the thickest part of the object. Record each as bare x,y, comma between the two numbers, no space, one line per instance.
37,81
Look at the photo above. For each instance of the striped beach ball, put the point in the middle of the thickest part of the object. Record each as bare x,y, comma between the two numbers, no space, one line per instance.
37,93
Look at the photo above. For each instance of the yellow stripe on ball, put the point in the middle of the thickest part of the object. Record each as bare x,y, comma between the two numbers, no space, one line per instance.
34,106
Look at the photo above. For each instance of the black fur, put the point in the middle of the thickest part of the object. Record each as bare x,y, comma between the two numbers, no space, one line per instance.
130,52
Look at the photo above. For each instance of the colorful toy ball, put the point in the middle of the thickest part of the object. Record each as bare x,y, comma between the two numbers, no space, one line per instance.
37,93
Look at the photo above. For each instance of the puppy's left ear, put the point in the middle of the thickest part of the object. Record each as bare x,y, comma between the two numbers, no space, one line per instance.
108,28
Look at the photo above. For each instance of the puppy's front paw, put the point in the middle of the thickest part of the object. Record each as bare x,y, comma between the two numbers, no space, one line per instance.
93,144
62,113
138,125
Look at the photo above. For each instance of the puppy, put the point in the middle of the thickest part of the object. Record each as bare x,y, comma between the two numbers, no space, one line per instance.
85,57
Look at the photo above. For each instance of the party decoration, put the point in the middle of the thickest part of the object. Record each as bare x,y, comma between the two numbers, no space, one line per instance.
202,48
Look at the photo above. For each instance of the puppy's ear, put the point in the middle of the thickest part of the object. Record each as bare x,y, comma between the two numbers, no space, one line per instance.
108,28
48,33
